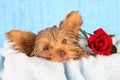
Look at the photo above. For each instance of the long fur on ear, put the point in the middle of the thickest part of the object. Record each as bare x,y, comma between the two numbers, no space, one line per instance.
23,40
72,22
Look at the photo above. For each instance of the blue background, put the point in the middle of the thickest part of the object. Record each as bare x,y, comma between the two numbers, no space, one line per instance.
35,15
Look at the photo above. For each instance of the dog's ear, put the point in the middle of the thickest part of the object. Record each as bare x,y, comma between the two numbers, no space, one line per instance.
23,40
72,22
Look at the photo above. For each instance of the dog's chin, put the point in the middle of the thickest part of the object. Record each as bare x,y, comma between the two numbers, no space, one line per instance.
62,60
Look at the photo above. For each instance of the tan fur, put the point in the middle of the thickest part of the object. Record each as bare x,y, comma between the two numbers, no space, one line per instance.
72,22
55,43
23,40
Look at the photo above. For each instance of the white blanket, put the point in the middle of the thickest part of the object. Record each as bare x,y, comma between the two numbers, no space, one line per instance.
18,66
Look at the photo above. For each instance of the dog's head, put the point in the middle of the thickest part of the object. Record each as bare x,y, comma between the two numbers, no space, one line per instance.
60,43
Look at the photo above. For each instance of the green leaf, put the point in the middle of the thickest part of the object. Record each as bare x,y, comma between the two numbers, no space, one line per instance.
114,49
84,33
112,35
89,34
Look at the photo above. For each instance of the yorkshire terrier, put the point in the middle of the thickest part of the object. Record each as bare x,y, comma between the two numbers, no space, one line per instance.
55,43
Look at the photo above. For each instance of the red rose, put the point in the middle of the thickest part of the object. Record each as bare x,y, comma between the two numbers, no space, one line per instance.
100,42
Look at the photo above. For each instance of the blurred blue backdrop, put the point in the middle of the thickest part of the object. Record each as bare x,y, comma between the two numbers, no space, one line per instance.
35,15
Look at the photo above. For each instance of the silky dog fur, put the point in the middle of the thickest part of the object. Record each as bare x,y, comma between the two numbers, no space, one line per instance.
55,43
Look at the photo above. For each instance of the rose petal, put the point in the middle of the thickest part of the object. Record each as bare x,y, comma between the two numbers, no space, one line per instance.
107,52
95,50
100,31
100,42
105,45
91,39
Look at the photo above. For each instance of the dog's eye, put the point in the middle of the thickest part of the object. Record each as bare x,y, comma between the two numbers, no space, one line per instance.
64,41
46,48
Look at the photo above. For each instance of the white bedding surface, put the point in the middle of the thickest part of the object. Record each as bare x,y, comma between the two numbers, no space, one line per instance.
18,66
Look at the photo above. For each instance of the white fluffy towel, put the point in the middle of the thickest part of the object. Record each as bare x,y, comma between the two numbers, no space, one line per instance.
18,66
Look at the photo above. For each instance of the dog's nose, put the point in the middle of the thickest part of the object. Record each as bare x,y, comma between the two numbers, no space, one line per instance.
61,53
